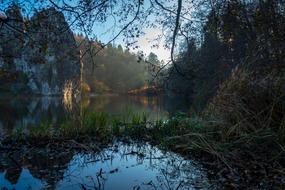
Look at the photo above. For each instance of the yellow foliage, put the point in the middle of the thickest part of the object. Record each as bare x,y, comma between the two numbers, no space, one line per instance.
85,88
100,87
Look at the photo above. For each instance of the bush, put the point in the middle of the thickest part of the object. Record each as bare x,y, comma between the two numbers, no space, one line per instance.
249,102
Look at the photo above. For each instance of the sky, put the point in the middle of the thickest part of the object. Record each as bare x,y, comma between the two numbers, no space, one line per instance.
144,42
105,32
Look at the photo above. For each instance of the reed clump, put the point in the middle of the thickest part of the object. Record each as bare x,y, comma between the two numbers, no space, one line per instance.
250,102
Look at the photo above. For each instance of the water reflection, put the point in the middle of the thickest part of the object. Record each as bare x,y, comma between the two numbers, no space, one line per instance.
120,166
22,111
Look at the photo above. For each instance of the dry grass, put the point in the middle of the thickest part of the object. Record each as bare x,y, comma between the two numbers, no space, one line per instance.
249,102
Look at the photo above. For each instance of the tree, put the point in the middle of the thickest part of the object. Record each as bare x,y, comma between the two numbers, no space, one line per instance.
130,17
120,49
236,33
153,59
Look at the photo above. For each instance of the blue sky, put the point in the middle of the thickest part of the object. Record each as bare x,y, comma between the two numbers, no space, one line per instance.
144,42
104,32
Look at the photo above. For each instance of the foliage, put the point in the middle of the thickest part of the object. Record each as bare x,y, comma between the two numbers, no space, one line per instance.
241,155
112,69
249,102
85,88
100,87
237,33
95,124
45,130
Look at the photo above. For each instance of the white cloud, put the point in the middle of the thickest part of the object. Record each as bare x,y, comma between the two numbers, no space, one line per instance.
145,44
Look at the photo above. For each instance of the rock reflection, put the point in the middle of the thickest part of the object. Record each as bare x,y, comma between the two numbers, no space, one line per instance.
23,112
23,169
120,166
13,174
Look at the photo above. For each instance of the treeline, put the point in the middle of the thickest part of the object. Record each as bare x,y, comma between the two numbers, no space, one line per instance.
235,74
111,69
238,34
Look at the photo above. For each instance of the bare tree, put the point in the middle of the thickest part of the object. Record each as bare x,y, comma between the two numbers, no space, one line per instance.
179,20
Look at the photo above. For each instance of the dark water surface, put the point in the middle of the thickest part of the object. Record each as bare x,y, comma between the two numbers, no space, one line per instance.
26,111
120,166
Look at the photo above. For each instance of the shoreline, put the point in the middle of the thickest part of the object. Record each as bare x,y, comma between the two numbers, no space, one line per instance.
231,163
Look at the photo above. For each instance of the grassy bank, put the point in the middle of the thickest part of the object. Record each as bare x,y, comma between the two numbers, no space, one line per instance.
251,158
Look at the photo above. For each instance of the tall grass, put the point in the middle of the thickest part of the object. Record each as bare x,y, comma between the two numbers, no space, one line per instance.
92,125
44,130
95,122
102,126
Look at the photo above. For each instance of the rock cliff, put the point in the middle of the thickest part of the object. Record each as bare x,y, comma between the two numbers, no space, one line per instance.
38,55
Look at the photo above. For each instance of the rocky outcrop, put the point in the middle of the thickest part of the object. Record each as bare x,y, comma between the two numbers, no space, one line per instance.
38,55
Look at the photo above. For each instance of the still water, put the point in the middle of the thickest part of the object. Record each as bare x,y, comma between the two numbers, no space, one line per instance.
26,111
119,166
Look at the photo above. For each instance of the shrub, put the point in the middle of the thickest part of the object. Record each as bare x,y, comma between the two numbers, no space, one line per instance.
249,102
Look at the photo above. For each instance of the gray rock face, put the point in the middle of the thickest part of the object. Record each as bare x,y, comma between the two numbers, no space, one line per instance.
41,52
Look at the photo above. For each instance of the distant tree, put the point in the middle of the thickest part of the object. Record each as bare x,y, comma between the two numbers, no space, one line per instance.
235,33
120,49
153,59
117,70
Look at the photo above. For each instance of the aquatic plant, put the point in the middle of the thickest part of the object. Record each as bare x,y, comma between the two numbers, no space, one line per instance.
180,133
45,129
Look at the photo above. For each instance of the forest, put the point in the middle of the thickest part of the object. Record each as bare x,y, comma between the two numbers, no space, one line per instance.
86,102
116,70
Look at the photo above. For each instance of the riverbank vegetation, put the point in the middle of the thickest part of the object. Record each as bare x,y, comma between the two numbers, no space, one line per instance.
237,72
230,63
235,154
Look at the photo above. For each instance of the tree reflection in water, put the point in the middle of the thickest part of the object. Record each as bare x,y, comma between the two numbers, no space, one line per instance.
120,166
23,112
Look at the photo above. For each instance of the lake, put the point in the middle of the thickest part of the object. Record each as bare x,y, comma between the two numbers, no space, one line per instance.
119,166
23,112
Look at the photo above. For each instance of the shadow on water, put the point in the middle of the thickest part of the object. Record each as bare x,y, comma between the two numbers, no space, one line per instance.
120,166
